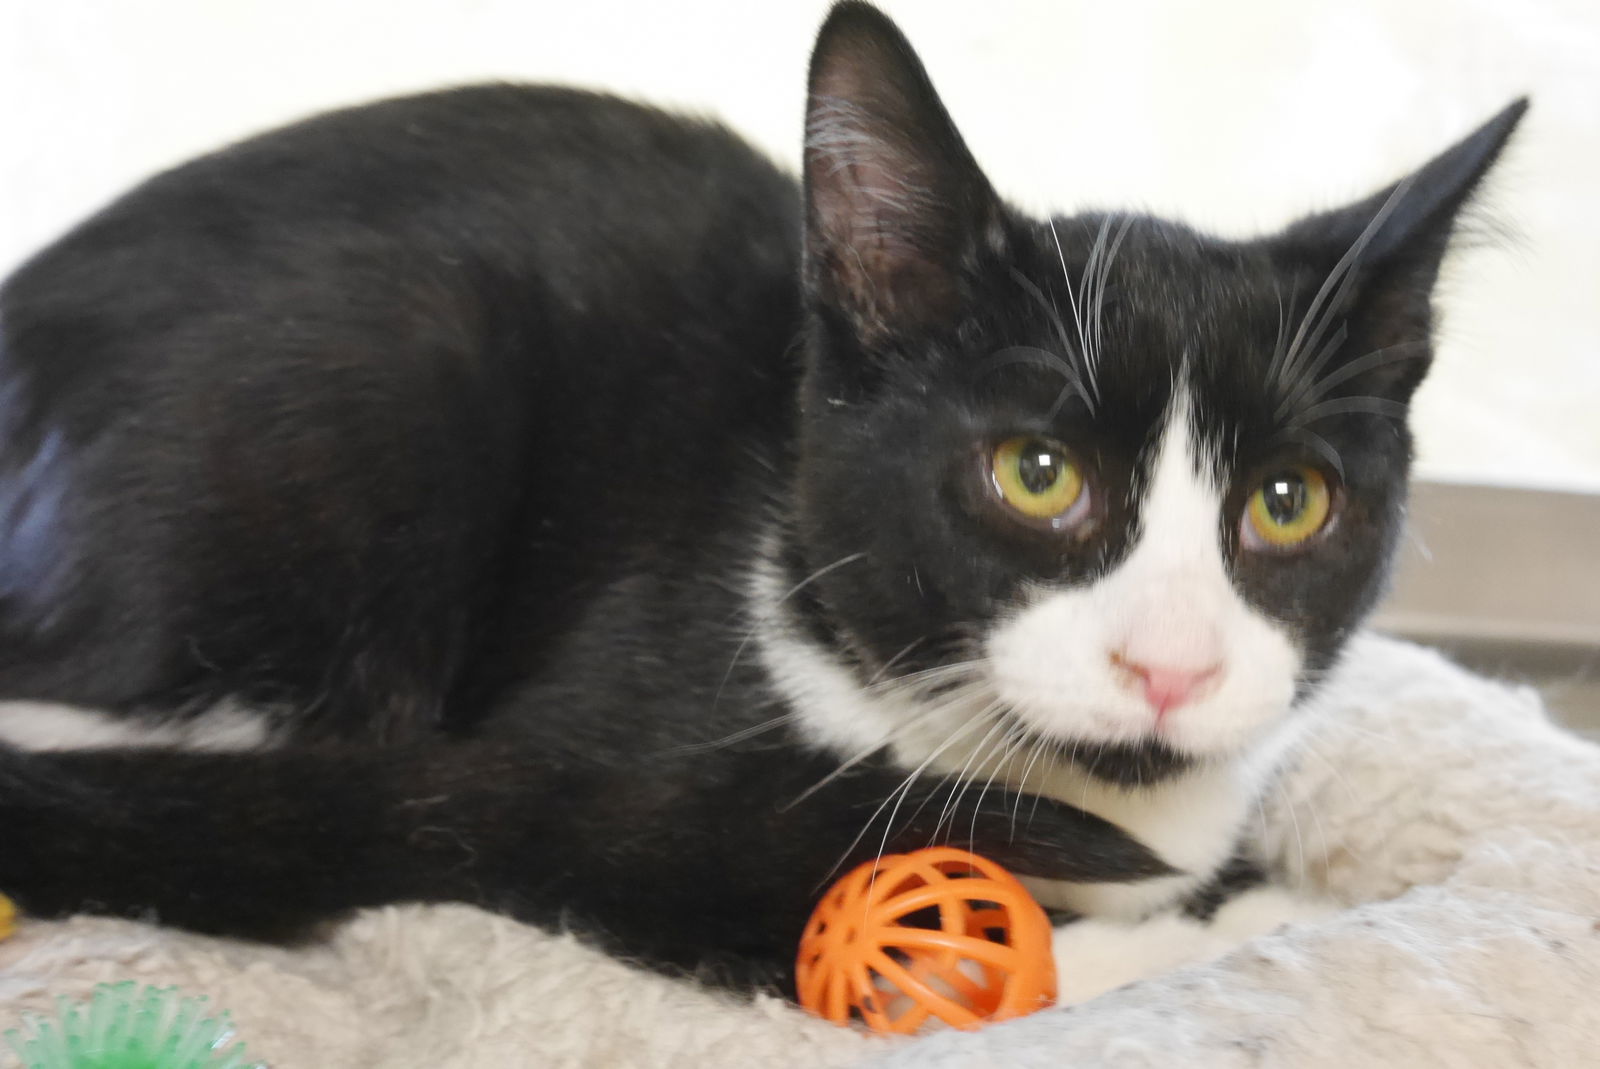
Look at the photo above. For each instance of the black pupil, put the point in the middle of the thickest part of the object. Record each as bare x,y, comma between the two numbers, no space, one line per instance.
1039,467
1285,497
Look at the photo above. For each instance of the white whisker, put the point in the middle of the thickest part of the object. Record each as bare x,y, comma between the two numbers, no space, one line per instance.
906,727
898,796
732,739
892,661
1096,317
1086,283
1391,354
1332,292
772,612
1013,741
1077,313
1371,406
959,789
1040,745
1307,378
1299,841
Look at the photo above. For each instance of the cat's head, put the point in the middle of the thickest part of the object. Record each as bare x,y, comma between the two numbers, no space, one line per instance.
1142,481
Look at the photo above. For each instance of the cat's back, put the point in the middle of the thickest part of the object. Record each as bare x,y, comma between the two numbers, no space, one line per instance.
535,186
309,400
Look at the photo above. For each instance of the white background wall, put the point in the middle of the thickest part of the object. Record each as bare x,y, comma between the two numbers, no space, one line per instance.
1235,114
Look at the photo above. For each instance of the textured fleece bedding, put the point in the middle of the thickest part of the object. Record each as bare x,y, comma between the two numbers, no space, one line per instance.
1454,830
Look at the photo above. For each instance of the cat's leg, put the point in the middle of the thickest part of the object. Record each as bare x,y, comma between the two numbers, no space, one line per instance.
682,865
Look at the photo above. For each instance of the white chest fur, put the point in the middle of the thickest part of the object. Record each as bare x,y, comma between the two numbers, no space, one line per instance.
1193,822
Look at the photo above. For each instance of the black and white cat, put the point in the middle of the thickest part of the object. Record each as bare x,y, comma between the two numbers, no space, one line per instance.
519,496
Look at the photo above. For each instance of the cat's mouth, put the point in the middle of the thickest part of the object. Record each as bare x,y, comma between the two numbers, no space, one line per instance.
1128,763
1136,763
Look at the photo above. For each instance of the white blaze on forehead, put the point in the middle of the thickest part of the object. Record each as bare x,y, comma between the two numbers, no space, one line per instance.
1173,591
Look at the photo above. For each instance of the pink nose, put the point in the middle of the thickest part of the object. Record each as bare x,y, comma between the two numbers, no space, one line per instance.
1167,687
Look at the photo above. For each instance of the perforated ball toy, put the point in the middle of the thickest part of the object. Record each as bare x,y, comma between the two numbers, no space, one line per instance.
935,934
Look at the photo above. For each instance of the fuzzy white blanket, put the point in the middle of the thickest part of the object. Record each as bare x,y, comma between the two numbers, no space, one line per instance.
1458,828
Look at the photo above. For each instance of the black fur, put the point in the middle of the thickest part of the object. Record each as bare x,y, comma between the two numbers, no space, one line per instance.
450,428
678,862
1233,879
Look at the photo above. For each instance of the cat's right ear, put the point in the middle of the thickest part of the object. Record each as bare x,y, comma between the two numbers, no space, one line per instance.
896,207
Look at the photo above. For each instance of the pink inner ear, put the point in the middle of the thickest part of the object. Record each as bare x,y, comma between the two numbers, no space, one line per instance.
865,198
895,200
877,225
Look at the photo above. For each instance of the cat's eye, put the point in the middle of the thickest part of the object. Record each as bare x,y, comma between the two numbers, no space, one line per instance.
1288,507
1038,480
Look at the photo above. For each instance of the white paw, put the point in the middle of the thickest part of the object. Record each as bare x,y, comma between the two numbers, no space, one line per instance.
1094,956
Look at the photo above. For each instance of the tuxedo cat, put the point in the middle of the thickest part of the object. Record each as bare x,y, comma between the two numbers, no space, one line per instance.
518,496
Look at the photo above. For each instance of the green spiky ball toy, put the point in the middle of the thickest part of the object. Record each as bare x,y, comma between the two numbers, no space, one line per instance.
125,1026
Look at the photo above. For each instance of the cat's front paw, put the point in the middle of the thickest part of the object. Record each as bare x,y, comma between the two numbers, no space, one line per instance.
1095,955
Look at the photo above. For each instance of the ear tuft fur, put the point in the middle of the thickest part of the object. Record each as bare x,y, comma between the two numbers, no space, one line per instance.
1381,257
894,201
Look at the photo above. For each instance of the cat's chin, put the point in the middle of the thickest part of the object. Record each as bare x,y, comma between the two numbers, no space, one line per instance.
1137,763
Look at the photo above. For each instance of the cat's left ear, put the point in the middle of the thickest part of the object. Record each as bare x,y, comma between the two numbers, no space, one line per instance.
1382,255
896,207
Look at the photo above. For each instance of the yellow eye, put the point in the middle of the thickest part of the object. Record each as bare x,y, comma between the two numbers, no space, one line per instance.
1288,507
1036,477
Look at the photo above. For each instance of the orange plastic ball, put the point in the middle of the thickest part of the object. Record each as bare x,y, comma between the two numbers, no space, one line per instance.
938,934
